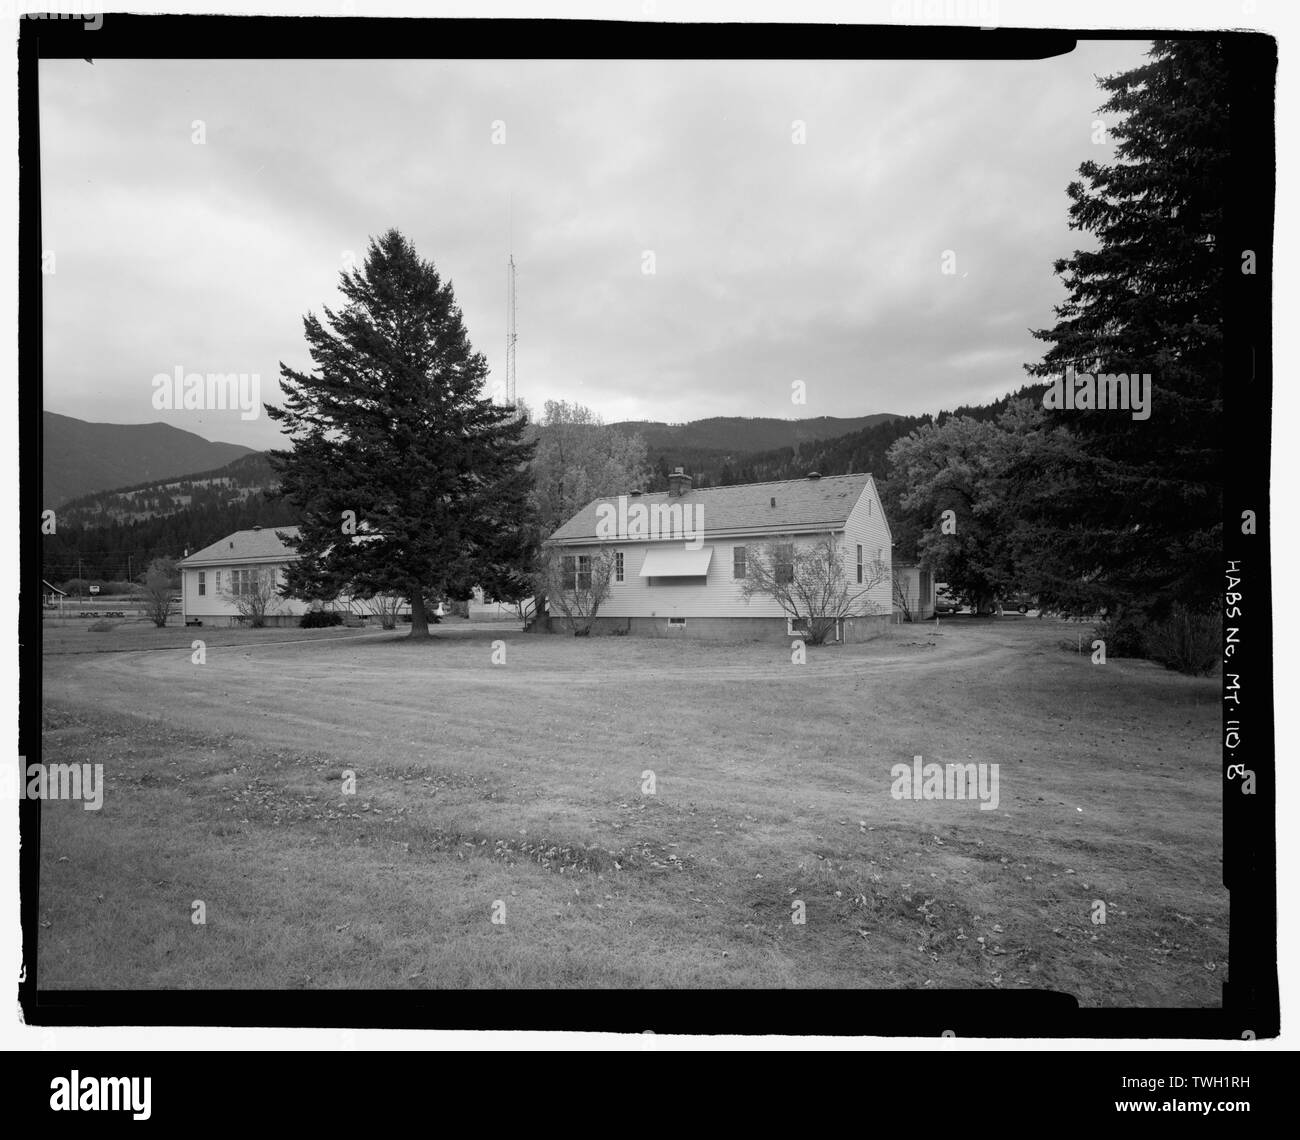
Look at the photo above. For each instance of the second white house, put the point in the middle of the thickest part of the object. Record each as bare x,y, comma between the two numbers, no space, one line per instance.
691,584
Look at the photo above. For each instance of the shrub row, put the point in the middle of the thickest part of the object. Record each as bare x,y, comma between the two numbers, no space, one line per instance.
1185,640
320,619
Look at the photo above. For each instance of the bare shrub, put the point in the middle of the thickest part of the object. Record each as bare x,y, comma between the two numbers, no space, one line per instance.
256,593
808,582
576,584
157,586
1187,641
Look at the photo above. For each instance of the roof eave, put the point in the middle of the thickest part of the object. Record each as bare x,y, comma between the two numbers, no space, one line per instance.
226,559
708,536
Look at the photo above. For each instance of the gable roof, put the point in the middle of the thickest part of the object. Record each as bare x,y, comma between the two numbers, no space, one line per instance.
802,505
258,544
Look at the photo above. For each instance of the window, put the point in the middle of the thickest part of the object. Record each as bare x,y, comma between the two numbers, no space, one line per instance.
243,581
859,564
218,581
738,556
576,572
795,630
784,563
618,566
203,586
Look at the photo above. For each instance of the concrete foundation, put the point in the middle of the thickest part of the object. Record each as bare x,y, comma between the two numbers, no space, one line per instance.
719,628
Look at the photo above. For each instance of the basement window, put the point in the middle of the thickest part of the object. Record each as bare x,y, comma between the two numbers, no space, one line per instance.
795,630
676,621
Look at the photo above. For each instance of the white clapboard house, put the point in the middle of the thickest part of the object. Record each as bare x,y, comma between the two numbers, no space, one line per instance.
212,579
688,582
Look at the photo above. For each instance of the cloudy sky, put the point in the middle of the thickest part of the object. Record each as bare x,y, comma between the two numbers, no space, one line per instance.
774,261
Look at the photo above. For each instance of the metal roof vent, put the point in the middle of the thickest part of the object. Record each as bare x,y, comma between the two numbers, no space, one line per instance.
814,474
635,494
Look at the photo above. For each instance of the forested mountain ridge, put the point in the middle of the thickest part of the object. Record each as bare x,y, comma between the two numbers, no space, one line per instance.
78,457
109,533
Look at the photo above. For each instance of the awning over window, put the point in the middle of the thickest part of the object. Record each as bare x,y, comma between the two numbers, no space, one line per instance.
676,562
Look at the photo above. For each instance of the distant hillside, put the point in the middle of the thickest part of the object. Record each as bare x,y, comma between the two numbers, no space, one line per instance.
865,450
862,450
224,487
104,535
106,532
711,448
736,434
81,457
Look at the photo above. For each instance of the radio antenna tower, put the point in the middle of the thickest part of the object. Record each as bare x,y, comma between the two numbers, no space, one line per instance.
512,334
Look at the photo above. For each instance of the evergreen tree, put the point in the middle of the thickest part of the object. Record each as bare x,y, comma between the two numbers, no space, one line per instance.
407,480
1136,514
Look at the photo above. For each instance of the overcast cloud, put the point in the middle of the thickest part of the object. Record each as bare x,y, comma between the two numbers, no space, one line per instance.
774,261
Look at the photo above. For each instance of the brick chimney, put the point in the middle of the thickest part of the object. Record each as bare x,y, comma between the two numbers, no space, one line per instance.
678,482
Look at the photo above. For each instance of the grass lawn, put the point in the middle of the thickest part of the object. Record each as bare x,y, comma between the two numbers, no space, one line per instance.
517,789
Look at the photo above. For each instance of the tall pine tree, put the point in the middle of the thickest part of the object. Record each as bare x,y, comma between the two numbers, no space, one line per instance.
406,479
1136,517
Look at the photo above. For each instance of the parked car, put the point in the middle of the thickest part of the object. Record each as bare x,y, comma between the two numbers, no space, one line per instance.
945,601
1021,603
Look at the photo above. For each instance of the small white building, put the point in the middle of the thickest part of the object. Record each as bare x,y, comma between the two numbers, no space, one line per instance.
663,587
212,580
914,591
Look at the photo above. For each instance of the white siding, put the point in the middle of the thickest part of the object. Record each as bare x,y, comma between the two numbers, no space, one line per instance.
478,608
867,527
221,603
719,595
910,578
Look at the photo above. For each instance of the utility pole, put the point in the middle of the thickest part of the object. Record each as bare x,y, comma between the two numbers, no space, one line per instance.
512,334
